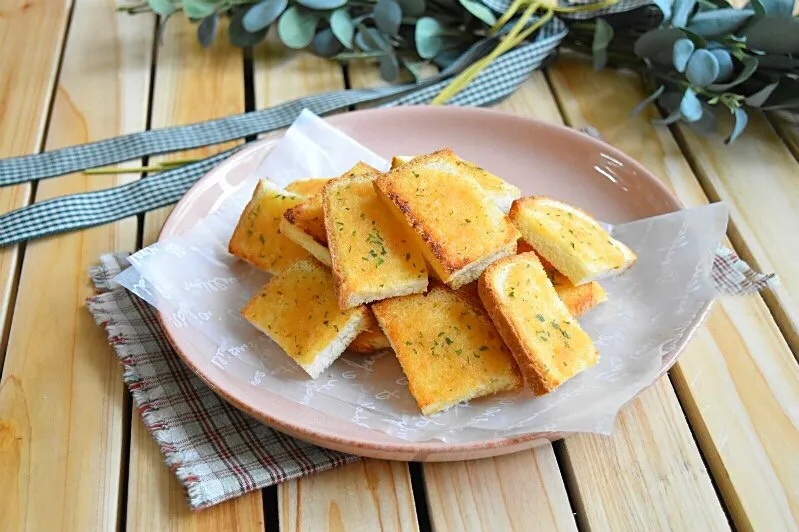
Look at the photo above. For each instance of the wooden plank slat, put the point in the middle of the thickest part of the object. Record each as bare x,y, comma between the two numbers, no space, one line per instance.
158,502
61,397
366,495
375,494
757,178
737,380
521,491
647,476
34,30
191,85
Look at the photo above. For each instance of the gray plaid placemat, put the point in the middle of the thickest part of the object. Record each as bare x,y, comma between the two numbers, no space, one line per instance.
216,451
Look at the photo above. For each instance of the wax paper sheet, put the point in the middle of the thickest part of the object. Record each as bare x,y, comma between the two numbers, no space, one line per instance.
651,309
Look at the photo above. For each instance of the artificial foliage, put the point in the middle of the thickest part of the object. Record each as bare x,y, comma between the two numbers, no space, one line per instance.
698,56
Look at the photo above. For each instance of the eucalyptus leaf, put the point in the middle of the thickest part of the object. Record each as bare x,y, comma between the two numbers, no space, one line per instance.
162,7
415,68
206,31
726,65
673,117
322,5
683,49
342,27
296,27
326,44
388,16
784,96
670,101
448,56
603,34
774,35
646,101
414,8
198,9
479,10
429,37
703,68
369,39
778,8
657,45
750,66
719,22
698,40
389,67
707,123
779,62
241,37
741,119
690,106
759,98
262,14
758,7
681,10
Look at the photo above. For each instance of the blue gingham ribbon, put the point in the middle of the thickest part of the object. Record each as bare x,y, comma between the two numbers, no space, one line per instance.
78,211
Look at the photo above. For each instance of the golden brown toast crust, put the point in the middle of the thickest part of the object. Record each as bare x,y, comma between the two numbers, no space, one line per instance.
537,374
578,299
570,239
307,187
297,309
448,348
495,235
372,254
371,339
308,216
257,238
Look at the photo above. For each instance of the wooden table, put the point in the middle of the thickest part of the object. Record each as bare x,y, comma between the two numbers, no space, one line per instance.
713,446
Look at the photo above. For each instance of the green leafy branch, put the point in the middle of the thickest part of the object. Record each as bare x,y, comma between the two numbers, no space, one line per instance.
704,55
697,56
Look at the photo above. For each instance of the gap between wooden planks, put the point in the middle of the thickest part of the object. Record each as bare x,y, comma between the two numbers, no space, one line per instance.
27,75
191,85
373,494
61,398
737,380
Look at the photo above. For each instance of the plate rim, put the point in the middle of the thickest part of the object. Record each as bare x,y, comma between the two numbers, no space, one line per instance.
424,450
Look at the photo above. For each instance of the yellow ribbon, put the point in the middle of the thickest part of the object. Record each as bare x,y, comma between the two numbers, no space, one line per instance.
513,38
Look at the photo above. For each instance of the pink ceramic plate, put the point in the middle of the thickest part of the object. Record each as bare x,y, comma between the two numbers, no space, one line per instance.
537,157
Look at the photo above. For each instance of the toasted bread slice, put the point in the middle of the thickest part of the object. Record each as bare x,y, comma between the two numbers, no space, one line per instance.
374,256
307,187
578,299
371,339
298,310
570,239
547,342
501,192
447,347
305,223
257,238
459,229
